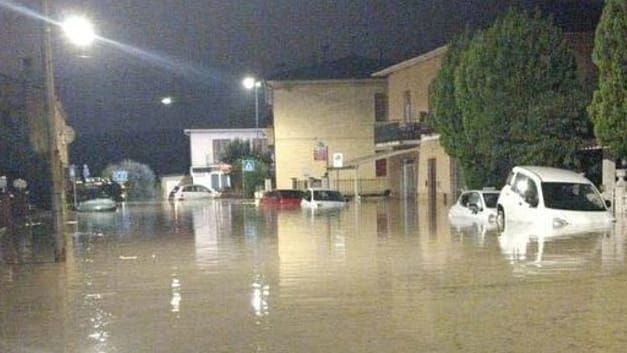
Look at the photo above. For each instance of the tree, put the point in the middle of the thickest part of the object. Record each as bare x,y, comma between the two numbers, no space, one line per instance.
141,179
608,108
446,117
509,95
239,150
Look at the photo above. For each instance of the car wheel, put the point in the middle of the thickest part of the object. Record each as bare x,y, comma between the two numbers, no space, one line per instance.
500,219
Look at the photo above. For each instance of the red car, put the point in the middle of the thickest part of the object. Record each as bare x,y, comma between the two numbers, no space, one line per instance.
281,198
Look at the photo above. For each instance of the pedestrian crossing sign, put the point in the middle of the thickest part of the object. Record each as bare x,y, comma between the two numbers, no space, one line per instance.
248,165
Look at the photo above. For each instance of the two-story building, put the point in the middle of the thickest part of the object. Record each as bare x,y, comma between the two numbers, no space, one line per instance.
207,147
374,124
324,115
417,165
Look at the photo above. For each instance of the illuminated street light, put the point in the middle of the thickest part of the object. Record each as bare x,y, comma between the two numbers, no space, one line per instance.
167,100
79,30
250,83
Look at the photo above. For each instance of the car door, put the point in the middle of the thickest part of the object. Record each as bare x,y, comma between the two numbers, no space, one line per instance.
524,198
188,192
202,192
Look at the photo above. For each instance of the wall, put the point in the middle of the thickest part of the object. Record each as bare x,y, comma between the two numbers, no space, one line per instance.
415,78
336,113
445,175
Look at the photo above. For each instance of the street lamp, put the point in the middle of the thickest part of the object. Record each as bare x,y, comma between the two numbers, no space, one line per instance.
250,83
79,30
167,100
81,33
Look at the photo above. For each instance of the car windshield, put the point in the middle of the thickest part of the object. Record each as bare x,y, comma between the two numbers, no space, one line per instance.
572,197
327,195
490,199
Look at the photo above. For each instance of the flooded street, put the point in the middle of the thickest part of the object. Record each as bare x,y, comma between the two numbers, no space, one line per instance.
379,276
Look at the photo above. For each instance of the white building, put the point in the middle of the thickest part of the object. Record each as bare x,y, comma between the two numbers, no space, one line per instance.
207,147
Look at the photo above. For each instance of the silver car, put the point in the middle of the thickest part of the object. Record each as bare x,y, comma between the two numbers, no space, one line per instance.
192,192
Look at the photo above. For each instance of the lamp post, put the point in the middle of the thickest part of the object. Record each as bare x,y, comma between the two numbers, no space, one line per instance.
252,83
80,32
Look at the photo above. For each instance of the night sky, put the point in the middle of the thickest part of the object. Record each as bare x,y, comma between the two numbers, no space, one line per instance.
198,51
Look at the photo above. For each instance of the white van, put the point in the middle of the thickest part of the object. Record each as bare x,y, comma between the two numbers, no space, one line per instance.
553,198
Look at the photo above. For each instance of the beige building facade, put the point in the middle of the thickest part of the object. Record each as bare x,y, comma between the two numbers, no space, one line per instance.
418,166
320,124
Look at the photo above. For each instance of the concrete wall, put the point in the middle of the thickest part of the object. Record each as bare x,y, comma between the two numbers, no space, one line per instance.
338,114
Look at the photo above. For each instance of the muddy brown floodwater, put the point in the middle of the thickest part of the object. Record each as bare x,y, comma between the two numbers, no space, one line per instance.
379,276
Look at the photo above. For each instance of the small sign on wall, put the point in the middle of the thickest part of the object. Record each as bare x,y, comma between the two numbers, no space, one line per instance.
320,152
338,160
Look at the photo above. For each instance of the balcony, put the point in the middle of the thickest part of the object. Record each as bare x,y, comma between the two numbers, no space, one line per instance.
399,133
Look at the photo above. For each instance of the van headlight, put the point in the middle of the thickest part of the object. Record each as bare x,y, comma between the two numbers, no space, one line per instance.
559,222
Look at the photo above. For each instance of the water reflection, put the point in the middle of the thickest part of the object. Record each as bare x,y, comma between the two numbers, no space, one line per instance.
533,249
225,276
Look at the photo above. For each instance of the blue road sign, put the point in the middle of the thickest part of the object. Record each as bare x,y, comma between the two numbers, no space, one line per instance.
120,176
248,165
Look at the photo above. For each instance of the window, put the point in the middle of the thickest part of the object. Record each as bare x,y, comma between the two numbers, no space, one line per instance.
219,147
407,106
464,199
526,188
380,107
572,197
381,167
260,144
474,199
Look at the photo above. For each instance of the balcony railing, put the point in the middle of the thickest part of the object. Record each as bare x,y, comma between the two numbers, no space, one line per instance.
400,132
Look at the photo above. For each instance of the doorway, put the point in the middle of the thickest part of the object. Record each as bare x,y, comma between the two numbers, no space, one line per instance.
408,181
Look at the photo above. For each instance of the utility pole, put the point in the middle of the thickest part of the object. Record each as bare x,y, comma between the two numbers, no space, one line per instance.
57,187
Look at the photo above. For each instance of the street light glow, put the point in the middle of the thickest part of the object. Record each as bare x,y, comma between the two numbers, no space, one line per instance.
79,30
166,100
249,82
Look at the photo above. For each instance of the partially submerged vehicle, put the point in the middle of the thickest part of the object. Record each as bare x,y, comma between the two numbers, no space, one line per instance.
192,192
552,198
475,206
281,198
317,198
99,204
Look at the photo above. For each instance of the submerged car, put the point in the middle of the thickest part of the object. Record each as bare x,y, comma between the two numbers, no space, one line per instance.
192,192
475,206
100,204
281,198
553,198
314,198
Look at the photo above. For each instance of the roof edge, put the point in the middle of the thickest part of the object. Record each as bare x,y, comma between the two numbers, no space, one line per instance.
410,62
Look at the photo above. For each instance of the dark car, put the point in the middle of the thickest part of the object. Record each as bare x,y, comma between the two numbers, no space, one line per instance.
281,198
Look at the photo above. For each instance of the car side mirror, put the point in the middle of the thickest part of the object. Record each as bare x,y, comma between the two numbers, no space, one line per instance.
474,208
608,203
